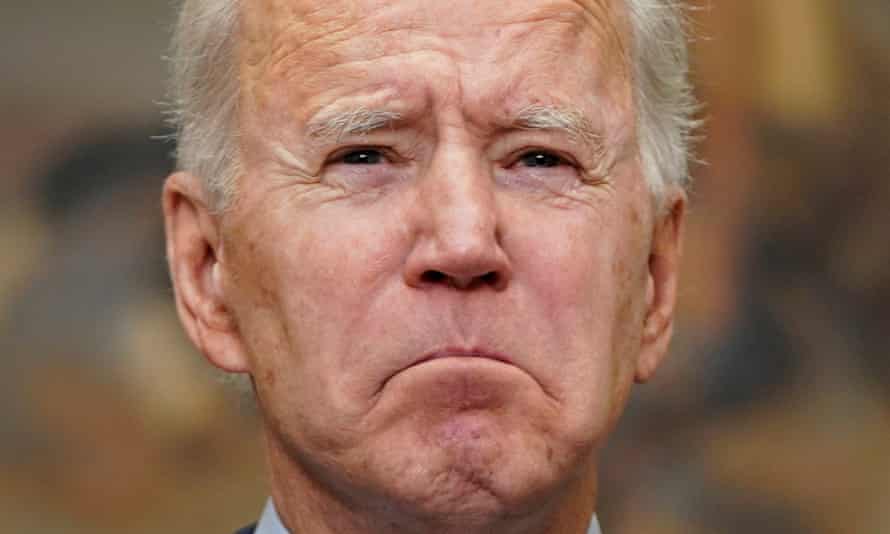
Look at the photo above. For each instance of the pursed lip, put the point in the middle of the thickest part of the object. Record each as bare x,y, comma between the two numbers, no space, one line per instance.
451,352
454,352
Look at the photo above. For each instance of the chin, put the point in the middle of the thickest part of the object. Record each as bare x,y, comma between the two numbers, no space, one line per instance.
452,444
478,460
463,472
470,473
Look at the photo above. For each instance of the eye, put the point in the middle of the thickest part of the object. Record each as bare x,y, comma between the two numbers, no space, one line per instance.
358,169
541,158
365,156
539,169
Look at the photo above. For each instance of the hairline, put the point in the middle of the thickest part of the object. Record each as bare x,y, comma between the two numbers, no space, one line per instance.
209,137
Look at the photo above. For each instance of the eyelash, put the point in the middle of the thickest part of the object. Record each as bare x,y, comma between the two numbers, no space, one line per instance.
378,152
378,155
541,154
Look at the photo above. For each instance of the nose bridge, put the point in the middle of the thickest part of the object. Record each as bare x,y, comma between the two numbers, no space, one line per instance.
458,242
460,198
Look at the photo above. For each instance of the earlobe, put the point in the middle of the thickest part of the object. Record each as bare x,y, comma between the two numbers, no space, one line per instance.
661,287
194,254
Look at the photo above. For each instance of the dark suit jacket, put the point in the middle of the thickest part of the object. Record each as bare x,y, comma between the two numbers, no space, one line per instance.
247,530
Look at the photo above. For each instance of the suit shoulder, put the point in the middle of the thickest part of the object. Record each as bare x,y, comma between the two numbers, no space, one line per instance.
247,530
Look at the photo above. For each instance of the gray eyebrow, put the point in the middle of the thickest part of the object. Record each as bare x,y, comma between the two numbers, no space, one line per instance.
569,120
360,121
334,127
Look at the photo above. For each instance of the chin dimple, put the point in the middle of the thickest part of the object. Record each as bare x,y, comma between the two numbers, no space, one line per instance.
472,442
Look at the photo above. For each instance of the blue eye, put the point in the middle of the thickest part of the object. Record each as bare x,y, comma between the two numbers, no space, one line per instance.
540,158
362,157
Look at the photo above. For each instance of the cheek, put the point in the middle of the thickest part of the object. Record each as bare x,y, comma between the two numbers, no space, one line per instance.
578,269
306,296
337,262
586,277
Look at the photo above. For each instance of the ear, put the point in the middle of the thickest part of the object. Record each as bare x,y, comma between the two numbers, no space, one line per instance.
194,253
661,291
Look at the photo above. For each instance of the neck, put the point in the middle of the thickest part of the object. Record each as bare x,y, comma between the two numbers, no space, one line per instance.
307,505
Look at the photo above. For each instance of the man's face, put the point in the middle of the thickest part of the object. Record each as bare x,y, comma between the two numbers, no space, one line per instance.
439,262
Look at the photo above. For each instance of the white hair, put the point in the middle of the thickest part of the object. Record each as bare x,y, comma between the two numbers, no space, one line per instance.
665,103
205,91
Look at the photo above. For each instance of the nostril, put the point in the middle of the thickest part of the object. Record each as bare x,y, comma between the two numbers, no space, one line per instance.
490,278
433,277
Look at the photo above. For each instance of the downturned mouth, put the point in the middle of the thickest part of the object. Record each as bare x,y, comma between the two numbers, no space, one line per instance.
463,353
452,352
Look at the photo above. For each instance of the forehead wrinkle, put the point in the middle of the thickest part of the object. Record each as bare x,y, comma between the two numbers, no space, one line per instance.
570,19
572,13
602,18
589,27
612,18
279,37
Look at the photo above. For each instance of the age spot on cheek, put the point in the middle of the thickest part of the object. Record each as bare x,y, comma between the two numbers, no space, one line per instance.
635,216
270,378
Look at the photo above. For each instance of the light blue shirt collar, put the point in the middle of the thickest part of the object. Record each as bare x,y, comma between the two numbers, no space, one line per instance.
270,523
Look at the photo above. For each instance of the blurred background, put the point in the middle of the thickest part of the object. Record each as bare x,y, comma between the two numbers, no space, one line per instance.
772,414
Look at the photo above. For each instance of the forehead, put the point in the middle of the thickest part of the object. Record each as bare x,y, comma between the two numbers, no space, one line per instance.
319,31
302,55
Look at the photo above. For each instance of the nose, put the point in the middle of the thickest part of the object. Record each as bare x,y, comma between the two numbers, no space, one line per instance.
458,234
